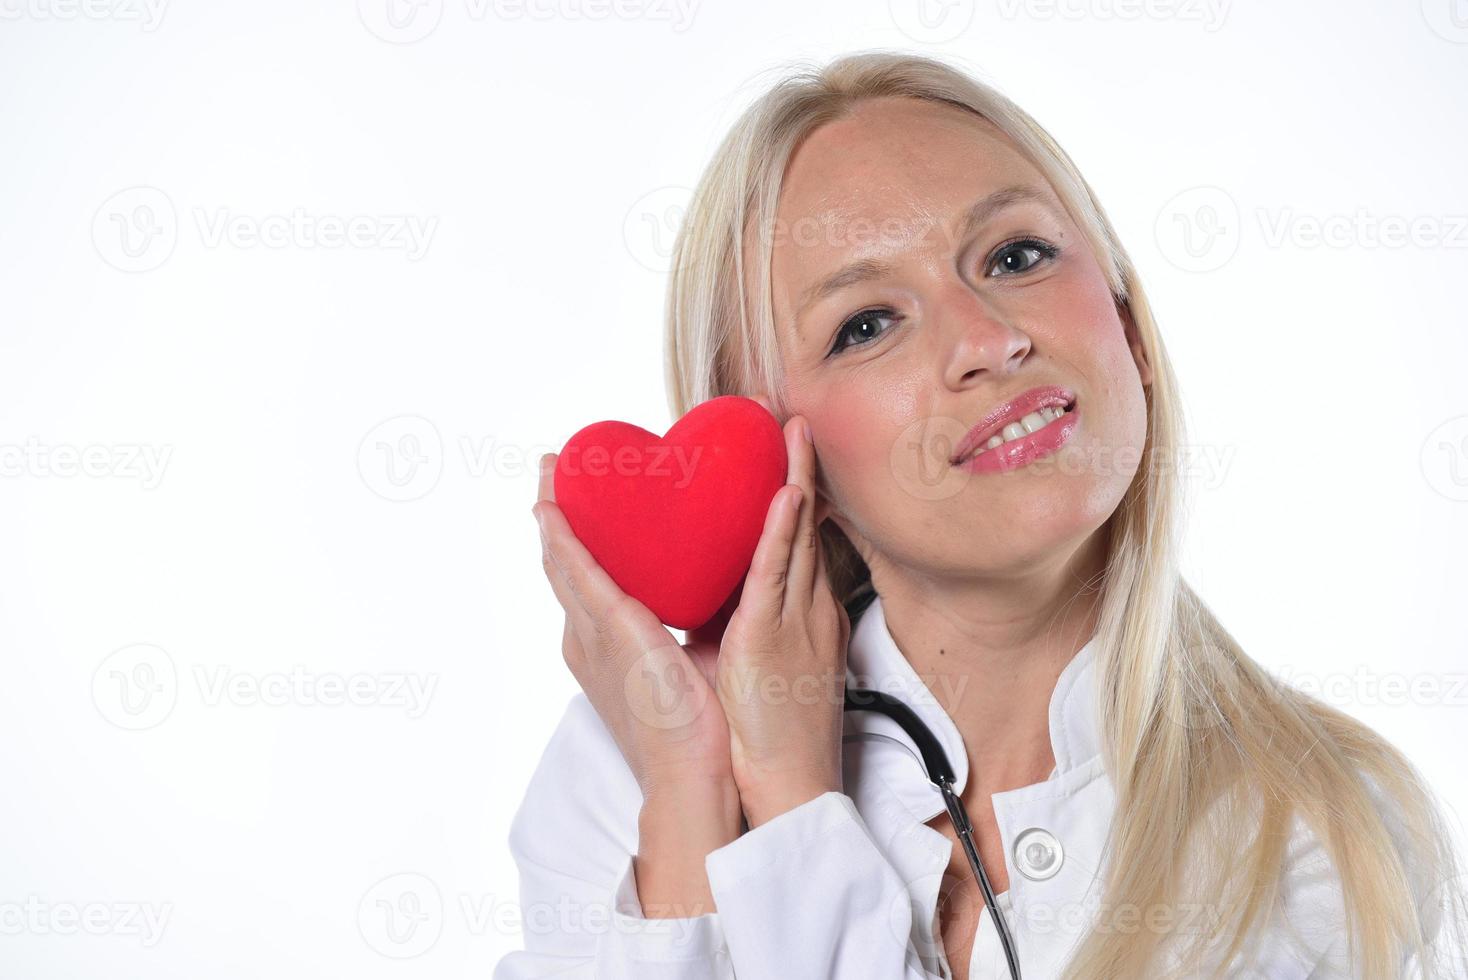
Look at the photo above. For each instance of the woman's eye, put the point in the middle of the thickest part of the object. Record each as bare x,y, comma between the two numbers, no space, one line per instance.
1021,256
852,328
1011,259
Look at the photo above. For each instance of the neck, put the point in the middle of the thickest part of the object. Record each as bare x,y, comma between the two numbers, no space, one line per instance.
991,651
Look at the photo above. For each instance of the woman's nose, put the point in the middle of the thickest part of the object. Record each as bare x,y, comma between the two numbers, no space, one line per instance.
979,340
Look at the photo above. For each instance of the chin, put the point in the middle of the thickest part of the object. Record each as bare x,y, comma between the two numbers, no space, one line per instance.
1034,522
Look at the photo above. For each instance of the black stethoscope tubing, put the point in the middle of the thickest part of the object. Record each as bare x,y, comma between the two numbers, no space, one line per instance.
940,773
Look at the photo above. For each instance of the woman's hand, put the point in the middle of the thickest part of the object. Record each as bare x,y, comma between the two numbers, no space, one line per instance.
781,669
654,695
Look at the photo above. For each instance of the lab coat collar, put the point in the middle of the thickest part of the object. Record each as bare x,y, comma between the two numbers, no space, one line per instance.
874,661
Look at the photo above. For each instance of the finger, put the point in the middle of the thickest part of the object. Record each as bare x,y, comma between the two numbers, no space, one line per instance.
802,473
584,581
570,642
583,631
823,576
578,623
547,489
764,588
579,619
600,611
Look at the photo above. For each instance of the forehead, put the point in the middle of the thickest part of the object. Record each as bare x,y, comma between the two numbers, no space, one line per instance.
874,180
892,152
893,136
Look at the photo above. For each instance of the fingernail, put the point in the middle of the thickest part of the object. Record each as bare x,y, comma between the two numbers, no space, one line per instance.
796,498
806,425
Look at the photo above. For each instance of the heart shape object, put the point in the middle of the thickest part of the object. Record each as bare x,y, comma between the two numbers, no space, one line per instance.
675,519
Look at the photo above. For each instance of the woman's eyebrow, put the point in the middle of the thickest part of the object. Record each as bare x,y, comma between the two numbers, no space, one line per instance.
977,214
989,205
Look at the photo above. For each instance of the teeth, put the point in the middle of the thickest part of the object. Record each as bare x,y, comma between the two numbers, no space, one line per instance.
1022,428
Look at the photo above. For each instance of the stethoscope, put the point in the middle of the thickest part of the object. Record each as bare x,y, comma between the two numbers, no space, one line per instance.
940,774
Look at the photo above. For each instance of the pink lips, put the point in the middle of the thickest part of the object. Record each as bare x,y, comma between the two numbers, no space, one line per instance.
1010,455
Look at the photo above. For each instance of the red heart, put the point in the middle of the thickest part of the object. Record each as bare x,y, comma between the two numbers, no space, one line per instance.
675,519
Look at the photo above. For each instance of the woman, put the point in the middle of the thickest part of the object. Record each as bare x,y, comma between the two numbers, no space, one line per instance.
982,428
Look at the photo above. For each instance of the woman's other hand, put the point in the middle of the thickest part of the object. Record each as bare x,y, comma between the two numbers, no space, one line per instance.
655,697
781,668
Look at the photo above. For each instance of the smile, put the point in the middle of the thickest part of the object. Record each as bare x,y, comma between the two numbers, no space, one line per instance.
1029,427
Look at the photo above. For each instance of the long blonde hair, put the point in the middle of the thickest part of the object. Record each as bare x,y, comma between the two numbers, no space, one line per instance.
1211,756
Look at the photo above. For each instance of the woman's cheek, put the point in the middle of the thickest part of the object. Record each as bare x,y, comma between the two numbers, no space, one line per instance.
835,416
847,445
838,447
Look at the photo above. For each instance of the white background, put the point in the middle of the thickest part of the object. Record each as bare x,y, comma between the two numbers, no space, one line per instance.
236,464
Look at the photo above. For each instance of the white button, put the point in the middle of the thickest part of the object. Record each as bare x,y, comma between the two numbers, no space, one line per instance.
1037,854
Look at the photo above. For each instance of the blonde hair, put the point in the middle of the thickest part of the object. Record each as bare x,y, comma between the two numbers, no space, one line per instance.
1211,756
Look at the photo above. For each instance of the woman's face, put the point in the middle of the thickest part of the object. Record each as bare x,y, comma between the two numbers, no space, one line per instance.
939,324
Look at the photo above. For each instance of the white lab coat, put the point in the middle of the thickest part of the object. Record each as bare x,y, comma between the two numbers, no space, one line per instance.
846,885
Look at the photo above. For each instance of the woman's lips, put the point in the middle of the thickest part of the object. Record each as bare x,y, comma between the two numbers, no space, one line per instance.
1030,400
1026,449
